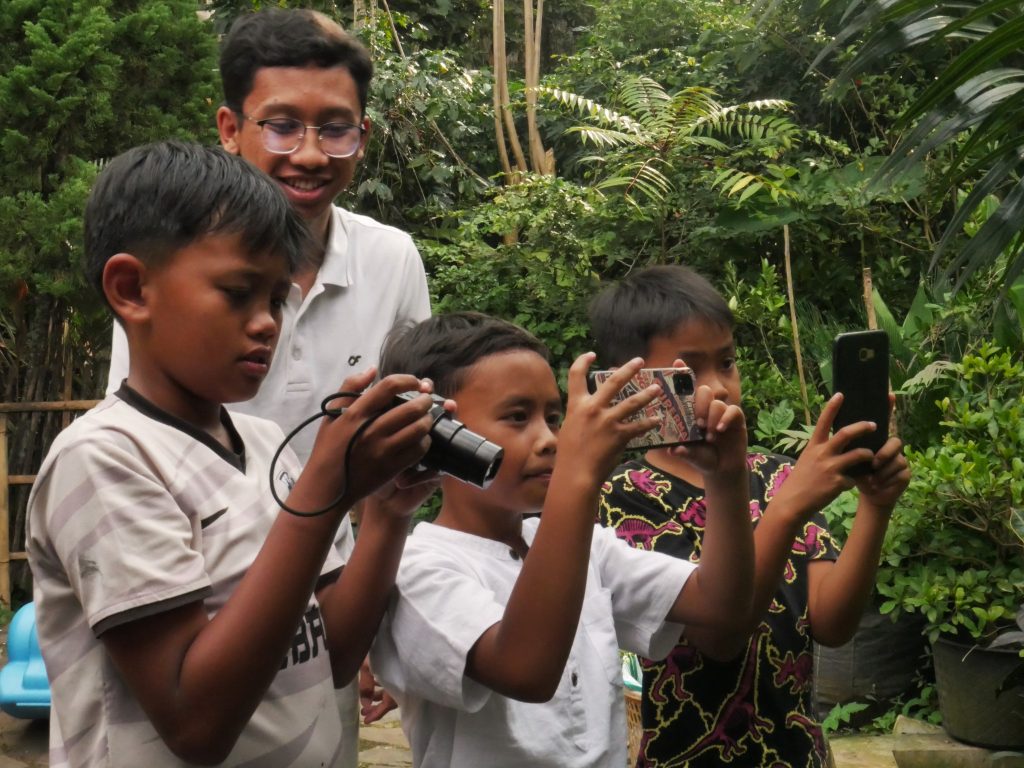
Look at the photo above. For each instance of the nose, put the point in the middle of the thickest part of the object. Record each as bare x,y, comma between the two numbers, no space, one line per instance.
717,386
547,440
264,325
309,154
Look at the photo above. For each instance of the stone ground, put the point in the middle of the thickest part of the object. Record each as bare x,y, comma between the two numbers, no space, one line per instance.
912,744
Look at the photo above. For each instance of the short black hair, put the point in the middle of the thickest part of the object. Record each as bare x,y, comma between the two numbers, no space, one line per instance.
279,37
443,348
649,303
156,199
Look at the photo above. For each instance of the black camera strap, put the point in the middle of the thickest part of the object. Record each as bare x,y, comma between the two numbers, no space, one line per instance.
332,413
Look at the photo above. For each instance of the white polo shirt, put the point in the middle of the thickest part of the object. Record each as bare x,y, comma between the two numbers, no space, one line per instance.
134,513
452,586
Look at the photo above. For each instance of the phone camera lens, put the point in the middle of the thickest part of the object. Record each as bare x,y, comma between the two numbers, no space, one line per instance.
683,384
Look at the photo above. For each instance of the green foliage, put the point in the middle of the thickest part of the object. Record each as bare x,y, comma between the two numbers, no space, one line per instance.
530,254
840,716
658,130
81,82
955,550
431,147
972,107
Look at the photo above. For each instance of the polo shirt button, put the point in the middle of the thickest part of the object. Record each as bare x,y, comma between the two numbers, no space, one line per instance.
297,353
574,679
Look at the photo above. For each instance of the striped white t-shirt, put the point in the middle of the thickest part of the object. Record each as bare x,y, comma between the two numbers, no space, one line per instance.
133,513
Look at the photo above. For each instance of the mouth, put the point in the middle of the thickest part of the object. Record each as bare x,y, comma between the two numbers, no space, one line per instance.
543,475
303,185
257,362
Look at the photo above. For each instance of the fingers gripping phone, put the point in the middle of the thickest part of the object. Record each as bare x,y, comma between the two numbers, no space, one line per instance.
673,408
860,370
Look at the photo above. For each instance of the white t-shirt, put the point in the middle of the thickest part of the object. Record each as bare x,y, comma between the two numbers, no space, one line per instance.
452,586
135,513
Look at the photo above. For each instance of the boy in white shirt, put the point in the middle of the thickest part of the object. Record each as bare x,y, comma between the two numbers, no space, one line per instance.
502,639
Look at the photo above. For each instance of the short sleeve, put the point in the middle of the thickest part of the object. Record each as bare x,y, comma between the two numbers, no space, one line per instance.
643,585
415,302
121,538
437,614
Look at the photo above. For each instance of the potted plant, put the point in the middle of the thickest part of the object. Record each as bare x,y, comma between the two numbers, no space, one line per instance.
955,551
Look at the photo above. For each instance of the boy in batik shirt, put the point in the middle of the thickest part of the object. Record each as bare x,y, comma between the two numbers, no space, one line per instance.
711,702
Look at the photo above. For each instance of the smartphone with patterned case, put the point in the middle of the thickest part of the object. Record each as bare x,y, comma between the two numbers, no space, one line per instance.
673,408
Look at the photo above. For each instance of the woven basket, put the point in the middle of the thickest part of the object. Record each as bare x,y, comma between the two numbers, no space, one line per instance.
634,729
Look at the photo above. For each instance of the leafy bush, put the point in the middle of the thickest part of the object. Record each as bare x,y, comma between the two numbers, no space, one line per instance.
955,550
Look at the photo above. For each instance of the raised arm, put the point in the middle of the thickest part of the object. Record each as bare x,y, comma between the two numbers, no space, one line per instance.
200,679
839,592
816,479
523,655
715,602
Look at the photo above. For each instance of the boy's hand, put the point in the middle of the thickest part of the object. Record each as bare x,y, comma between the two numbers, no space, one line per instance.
388,438
374,701
402,496
595,431
820,474
724,447
889,476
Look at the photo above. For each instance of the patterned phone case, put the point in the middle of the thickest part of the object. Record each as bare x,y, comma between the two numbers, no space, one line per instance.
672,409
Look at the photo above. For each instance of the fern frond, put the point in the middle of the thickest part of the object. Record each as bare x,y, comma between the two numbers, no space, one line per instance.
606,137
589,108
643,98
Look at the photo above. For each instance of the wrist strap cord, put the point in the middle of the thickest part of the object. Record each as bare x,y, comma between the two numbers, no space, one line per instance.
332,413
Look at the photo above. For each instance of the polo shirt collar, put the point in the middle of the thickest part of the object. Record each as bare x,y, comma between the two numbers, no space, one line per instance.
336,269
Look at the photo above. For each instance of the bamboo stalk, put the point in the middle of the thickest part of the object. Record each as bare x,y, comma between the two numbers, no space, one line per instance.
792,319
5,542
501,86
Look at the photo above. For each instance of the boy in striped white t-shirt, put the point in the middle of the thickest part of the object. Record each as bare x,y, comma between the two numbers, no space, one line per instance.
183,616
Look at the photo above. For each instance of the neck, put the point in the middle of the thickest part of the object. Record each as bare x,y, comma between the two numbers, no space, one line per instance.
671,464
487,524
320,228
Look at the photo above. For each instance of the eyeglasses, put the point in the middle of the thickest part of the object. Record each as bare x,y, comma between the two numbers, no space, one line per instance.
283,135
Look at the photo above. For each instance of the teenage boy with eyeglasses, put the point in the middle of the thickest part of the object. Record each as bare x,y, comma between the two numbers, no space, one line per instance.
295,89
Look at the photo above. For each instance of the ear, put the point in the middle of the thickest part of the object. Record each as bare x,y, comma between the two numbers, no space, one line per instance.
124,278
367,126
228,127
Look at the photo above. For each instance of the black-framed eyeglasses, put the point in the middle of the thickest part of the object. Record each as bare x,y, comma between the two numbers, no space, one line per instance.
284,135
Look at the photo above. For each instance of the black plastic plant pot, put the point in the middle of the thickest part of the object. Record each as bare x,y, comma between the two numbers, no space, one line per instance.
977,705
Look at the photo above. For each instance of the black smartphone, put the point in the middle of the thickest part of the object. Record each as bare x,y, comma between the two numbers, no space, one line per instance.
860,370
673,409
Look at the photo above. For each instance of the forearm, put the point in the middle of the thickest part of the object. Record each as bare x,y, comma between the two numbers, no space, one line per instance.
838,601
354,605
773,542
717,598
525,654
187,672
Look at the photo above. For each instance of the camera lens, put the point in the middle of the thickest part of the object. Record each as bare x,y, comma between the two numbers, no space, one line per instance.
457,451
683,383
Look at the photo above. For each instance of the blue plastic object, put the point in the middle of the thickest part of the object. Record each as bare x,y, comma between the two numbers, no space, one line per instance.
24,689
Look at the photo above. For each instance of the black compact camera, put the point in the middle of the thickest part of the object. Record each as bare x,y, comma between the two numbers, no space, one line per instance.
455,450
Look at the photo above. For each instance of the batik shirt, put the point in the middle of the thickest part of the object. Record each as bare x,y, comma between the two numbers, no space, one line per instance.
756,709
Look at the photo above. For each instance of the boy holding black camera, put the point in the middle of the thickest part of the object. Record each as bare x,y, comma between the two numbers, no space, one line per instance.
502,639
713,702
183,617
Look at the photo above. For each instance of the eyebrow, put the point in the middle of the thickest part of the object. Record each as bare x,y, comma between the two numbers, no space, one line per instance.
331,115
688,354
528,402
